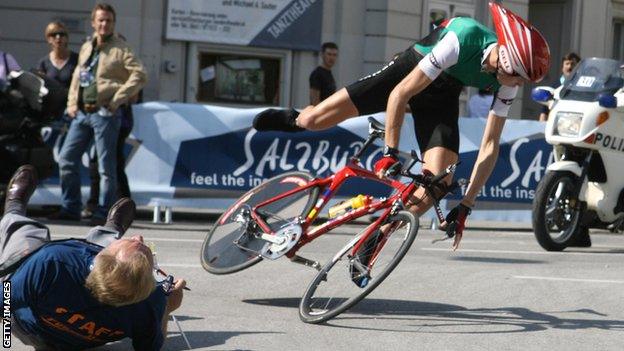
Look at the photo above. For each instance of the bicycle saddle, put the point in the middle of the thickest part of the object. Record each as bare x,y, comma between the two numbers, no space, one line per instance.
375,126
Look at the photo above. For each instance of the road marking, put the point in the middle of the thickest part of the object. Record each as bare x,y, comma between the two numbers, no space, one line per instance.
182,265
146,239
589,253
570,279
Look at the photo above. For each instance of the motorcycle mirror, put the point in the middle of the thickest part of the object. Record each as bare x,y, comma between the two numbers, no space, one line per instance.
542,94
607,101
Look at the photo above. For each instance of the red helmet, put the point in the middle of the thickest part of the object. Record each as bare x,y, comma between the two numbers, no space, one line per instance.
522,49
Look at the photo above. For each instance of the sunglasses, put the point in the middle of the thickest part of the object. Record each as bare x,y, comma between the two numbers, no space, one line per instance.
57,34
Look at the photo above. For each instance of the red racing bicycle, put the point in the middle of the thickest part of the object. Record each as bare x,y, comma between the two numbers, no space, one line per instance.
276,218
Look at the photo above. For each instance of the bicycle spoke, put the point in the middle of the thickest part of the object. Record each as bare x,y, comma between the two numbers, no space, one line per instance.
347,279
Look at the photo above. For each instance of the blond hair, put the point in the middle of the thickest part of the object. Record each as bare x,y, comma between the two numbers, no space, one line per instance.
53,27
118,282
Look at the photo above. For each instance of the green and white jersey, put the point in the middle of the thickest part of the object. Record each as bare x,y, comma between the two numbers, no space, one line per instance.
459,48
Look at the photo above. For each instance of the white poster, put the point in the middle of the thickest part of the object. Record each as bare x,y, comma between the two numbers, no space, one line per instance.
294,24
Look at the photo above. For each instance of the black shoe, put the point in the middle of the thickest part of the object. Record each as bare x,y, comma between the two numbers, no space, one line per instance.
277,120
359,265
121,215
20,189
63,215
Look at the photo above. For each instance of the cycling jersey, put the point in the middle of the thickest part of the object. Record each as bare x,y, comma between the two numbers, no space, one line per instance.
459,47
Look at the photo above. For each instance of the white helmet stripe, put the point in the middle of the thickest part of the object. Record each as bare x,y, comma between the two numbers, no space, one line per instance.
513,46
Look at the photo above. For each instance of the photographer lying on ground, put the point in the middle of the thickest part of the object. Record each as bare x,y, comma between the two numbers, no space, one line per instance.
77,294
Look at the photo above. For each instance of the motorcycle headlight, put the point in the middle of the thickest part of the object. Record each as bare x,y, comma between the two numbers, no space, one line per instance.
568,123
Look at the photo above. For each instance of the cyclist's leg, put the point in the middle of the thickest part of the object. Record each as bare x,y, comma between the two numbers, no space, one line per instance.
436,160
435,112
331,111
366,96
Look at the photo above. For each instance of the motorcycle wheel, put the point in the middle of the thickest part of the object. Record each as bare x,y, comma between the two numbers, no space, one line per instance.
557,212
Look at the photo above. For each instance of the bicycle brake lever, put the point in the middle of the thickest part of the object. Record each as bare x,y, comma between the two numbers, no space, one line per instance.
394,170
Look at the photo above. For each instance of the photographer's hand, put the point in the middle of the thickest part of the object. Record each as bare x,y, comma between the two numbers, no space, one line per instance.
175,297
174,301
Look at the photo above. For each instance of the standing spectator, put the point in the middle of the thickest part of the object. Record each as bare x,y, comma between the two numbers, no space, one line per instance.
479,104
568,62
76,294
123,188
322,83
108,75
60,63
7,64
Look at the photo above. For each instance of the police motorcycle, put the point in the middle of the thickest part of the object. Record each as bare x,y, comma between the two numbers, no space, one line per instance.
28,102
584,187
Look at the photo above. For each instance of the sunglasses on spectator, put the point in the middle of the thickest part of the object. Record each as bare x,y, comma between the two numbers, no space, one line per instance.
55,34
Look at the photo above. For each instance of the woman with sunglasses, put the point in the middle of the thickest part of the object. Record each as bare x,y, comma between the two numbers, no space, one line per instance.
60,63
429,76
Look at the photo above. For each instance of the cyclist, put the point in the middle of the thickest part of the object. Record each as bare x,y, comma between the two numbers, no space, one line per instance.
429,76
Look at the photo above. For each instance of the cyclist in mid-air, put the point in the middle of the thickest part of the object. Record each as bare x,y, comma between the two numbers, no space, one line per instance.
429,76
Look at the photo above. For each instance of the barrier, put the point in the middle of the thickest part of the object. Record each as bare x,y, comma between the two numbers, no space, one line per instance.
197,156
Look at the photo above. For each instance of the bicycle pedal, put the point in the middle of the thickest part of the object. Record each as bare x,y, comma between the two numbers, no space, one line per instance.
361,281
306,262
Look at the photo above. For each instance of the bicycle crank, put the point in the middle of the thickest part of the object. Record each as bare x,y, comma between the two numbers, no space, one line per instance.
283,240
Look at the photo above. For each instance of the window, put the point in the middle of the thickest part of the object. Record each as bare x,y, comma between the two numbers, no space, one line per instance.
238,79
618,39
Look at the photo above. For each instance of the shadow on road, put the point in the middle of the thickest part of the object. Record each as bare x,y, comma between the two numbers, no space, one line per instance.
444,318
175,341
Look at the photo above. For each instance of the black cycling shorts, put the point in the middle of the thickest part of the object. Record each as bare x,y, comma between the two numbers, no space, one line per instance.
435,110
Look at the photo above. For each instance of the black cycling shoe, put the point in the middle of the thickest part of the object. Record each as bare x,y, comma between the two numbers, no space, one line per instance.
359,266
277,120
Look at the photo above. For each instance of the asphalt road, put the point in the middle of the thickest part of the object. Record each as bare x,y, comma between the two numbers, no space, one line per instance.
500,291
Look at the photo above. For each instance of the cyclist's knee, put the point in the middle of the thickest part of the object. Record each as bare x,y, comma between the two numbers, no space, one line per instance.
308,119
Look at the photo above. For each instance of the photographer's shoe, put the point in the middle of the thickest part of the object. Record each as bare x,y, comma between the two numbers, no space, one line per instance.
20,189
277,120
121,215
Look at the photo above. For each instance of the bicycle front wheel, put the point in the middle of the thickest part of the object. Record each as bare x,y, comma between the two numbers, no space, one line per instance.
231,246
337,287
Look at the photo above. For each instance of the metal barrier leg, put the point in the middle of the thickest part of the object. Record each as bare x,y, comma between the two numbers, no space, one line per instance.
168,215
156,218
434,223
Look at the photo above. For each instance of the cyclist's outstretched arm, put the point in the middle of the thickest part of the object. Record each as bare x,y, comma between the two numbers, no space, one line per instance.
486,159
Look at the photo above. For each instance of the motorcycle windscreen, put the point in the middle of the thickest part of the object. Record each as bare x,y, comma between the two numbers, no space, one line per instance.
591,78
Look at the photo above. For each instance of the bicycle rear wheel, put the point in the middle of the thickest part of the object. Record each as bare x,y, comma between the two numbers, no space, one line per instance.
231,245
335,288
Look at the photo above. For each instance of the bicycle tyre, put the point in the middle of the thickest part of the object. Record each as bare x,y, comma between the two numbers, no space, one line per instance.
309,313
219,253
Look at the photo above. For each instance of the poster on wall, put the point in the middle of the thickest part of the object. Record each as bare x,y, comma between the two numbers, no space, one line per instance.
288,24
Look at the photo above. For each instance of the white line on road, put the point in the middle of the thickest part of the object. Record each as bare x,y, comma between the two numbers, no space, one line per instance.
182,265
570,279
589,253
146,239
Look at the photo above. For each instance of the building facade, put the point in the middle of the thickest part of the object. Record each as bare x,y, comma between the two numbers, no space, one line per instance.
368,33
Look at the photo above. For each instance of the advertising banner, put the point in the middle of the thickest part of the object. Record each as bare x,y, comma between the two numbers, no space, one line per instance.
289,24
186,155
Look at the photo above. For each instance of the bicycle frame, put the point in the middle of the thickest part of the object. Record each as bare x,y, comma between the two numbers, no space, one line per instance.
331,185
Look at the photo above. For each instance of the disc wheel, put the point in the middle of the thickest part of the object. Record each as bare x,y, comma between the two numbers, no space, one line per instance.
232,244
